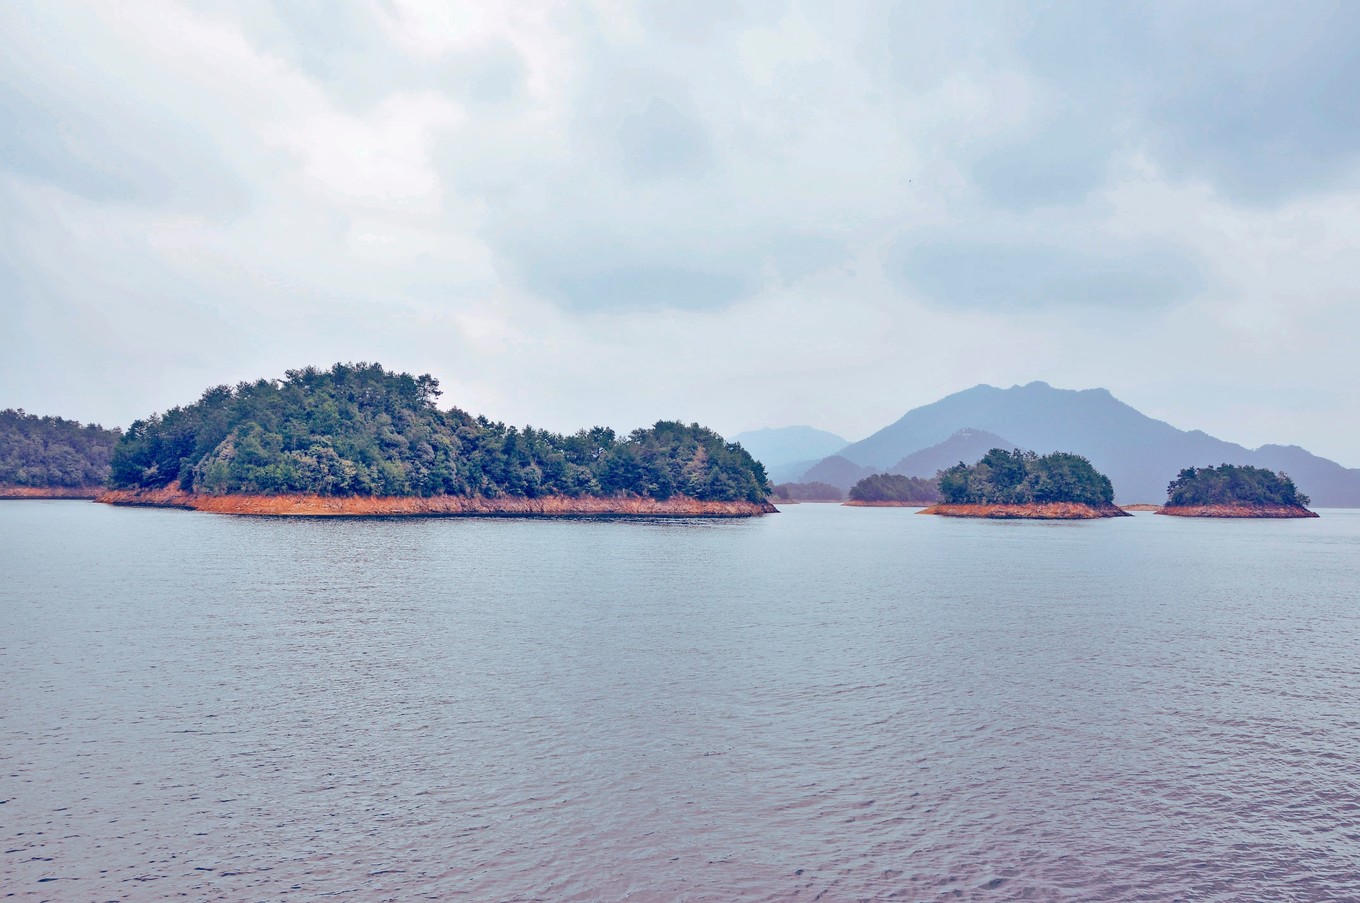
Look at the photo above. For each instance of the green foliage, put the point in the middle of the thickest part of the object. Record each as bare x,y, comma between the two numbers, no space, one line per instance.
49,452
808,492
1233,484
358,429
1020,478
894,487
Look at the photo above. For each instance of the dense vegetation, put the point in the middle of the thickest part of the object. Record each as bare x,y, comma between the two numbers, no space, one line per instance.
808,492
894,487
1023,478
1233,484
49,452
358,429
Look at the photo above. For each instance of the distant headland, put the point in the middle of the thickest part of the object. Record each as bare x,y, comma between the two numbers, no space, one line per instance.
52,458
1232,490
892,490
359,440
1021,484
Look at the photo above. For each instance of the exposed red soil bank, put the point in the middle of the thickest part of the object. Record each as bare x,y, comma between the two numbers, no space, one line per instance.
50,492
1047,511
1141,507
855,504
1237,511
361,506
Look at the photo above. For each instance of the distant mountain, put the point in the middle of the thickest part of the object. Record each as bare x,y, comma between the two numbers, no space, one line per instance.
1139,454
788,473
776,447
838,471
965,445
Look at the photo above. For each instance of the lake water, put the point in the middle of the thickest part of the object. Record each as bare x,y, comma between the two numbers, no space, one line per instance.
825,704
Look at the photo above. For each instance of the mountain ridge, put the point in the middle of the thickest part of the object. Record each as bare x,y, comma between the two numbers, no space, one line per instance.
1139,453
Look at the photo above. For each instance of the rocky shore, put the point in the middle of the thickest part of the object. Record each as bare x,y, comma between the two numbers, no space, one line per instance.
446,505
1274,511
1047,511
50,492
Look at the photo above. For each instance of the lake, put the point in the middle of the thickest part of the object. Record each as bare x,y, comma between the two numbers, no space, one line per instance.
824,704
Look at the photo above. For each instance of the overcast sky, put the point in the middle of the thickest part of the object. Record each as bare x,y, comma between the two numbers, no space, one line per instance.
748,216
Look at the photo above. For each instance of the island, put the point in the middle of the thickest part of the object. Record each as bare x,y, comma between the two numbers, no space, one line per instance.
793,493
893,490
359,440
1234,490
52,458
1022,484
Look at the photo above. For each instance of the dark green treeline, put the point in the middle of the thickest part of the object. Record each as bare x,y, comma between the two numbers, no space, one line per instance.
1022,478
1233,484
48,452
357,429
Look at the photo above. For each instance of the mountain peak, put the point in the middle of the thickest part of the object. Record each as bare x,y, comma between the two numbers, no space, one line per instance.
1139,453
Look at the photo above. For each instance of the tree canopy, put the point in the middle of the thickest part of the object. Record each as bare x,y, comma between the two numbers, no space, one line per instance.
357,429
808,492
1021,478
49,452
1233,484
894,487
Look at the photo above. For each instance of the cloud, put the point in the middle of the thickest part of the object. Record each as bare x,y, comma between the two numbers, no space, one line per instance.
756,214
1018,277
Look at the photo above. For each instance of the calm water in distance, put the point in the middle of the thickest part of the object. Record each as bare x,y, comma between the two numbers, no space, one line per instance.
825,704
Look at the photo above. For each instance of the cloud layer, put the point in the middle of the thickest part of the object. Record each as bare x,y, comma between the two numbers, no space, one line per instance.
743,214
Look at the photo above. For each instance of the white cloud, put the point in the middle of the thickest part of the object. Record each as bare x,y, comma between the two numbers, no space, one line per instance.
581,213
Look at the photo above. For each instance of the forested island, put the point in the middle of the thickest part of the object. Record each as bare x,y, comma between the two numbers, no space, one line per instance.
1233,490
49,457
1022,484
358,439
807,492
893,490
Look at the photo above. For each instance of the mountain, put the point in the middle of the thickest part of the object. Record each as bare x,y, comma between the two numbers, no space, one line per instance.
838,471
965,445
778,446
1141,455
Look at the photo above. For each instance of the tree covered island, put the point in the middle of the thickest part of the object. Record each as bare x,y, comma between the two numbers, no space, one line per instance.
1233,490
807,492
49,457
893,490
1022,484
358,439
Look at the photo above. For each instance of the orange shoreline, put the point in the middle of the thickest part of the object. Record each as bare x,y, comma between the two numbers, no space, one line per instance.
1046,511
294,505
1271,511
50,492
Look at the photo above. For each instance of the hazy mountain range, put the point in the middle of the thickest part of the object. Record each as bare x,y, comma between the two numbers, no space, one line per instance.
1138,453
787,452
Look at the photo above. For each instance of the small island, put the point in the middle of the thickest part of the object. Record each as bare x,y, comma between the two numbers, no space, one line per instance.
359,440
1234,490
52,458
893,490
793,493
1022,484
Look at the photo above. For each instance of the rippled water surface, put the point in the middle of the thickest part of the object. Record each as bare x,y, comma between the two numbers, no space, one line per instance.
830,703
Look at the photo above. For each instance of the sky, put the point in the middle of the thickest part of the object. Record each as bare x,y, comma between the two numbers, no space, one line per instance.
746,215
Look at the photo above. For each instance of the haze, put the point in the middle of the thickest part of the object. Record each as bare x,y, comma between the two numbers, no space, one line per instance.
755,216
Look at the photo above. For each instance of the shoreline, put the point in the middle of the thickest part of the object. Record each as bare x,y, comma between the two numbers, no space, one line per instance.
1045,511
300,505
51,492
1237,511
